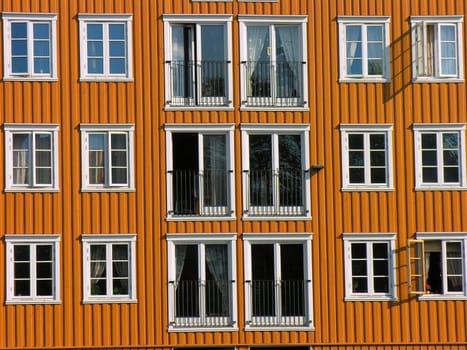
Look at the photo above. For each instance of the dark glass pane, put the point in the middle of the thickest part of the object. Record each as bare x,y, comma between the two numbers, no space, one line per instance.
356,175
430,175
378,175
356,141
98,287
375,67
378,158
120,251
22,288
359,285
120,269
451,141
451,175
20,141
381,284
44,176
358,250
359,268
377,141
451,157
22,270
356,158
380,250
261,170
290,170
98,269
21,252
262,256
19,30
44,270
187,288
213,65
380,267
43,158
429,158
215,170
292,284
119,159
44,288
120,286
428,141
98,252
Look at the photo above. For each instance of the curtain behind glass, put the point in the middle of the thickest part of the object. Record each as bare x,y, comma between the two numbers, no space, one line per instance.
217,264
288,57
21,148
257,72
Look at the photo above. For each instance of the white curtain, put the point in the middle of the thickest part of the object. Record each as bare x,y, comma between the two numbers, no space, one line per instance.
257,37
180,255
216,261
97,265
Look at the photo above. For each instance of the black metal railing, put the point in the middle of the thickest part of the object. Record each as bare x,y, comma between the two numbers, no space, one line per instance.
202,303
278,302
200,193
278,192
273,83
198,83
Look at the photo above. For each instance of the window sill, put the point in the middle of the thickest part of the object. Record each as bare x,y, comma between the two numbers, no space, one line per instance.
203,329
169,108
370,298
378,80
441,188
275,218
275,108
32,190
30,78
279,328
32,301
106,79
200,218
442,297
110,300
367,189
437,80
107,189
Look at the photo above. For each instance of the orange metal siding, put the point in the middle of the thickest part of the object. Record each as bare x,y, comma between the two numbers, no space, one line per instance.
407,324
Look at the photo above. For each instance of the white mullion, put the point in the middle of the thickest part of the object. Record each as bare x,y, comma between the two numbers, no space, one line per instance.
444,269
440,158
32,159
201,283
364,47
370,274
277,279
275,169
33,270
30,46
345,155
273,63
108,268
196,45
85,160
366,158
105,48
108,159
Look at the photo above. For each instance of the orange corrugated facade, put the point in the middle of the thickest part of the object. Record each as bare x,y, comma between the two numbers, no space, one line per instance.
406,323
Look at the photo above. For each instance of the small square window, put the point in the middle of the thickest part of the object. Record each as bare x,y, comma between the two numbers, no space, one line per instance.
106,47
369,266
30,48
437,265
366,157
276,176
109,268
198,61
107,157
439,156
31,157
437,49
364,49
32,269
273,62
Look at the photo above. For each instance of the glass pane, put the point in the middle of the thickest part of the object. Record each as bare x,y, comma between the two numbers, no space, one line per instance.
120,286
359,285
451,175
260,170
43,141
375,33
359,268
97,141
358,250
259,61
22,288
377,141
117,31
290,170
353,33
378,158
44,253
288,61
381,284
19,48
120,251
215,170
19,30
98,269
98,252
375,67
213,59
19,65
429,141
380,267
95,49
22,270
355,141
451,141
94,31
448,33
42,65
292,280
217,280
448,67
182,61
44,176
117,48
44,288
117,65
430,175
375,50
43,158
95,65
119,141
380,250
120,269
44,270
356,175
356,158
263,294
448,50
41,31
187,286
98,287
354,67
119,158
451,157
21,253
429,158
378,175
41,48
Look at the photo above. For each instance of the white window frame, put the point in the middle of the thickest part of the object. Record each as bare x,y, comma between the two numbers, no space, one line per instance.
418,130
32,241
202,239
369,239
275,130
197,21
201,129
31,129
262,103
277,239
108,130
364,22
30,18
366,130
445,237
108,240
418,25
105,20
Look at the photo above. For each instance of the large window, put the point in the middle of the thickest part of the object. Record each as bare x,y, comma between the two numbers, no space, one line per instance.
200,170
276,170
369,266
437,48
278,290
437,265
202,285
364,49
107,157
366,157
198,61
106,47
32,269
31,157
273,61
30,51
109,268
439,156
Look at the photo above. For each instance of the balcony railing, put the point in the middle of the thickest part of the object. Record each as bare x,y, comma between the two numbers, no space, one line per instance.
278,302
198,83
202,303
275,192
273,83
200,193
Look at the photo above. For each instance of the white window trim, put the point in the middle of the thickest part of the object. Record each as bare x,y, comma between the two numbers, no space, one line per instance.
228,130
347,129
455,20
87,240
251,129
281,238
108,129
388,238
84,19
10,129
435,128
243,21
9,18
343,21
225,20
196,238
447,236
11,241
